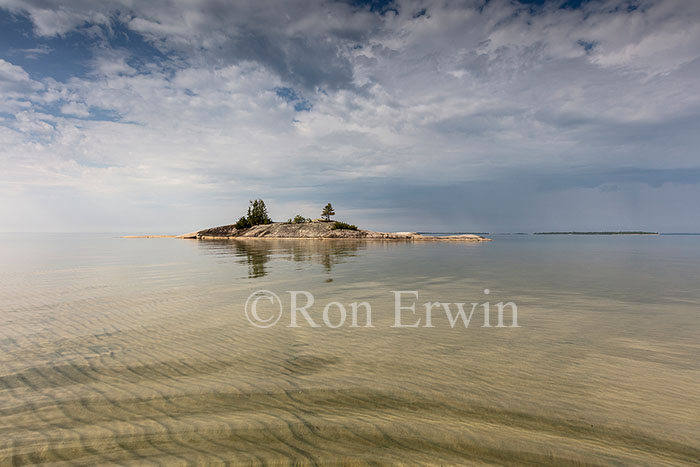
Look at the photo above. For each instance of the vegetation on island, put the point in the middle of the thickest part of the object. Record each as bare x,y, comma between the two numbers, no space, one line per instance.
257,215
343,225
299,219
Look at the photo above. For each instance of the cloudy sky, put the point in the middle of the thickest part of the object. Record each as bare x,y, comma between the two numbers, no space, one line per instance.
500,115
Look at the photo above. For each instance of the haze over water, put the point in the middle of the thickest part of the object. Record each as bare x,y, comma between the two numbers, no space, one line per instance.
138,351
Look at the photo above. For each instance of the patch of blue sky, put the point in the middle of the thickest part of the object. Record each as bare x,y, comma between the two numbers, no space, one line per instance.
377,6
70,55
95,113
588,46
291,96
142,52
61,59
629,5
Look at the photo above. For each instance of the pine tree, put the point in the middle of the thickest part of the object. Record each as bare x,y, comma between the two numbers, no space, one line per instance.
257,213
328,212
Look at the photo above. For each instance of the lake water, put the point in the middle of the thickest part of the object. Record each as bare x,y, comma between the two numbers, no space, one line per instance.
139,351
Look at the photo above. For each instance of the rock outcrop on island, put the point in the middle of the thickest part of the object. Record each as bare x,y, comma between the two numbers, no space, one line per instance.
318,230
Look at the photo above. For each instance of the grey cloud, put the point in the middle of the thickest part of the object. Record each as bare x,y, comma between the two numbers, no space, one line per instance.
304,61
598,178
304,42
523,201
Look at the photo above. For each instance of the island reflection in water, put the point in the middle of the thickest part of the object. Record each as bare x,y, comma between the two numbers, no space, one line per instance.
258,252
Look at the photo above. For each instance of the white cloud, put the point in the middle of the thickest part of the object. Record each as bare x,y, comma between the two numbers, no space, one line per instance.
34,52
112,63
13,79
75,108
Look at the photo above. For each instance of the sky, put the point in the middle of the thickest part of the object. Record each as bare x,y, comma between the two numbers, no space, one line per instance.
168,116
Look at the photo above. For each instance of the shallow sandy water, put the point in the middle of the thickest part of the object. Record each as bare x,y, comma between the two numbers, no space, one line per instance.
138,352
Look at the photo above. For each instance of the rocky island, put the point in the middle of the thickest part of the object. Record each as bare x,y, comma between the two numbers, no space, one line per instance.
257,224
317,230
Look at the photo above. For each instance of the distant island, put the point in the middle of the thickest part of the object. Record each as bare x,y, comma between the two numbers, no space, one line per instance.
257,224
639,232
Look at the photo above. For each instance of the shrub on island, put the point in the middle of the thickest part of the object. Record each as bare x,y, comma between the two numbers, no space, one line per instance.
342,225
243,223
298,219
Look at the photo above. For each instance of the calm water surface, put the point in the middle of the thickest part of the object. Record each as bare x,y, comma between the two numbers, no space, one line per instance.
138,351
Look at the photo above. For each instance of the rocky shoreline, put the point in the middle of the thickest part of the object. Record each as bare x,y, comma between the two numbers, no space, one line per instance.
316,230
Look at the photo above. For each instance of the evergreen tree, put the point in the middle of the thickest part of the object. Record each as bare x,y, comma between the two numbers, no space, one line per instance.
328,212
257,213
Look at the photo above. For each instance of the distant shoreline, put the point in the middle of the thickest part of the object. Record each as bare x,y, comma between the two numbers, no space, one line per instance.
598,233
